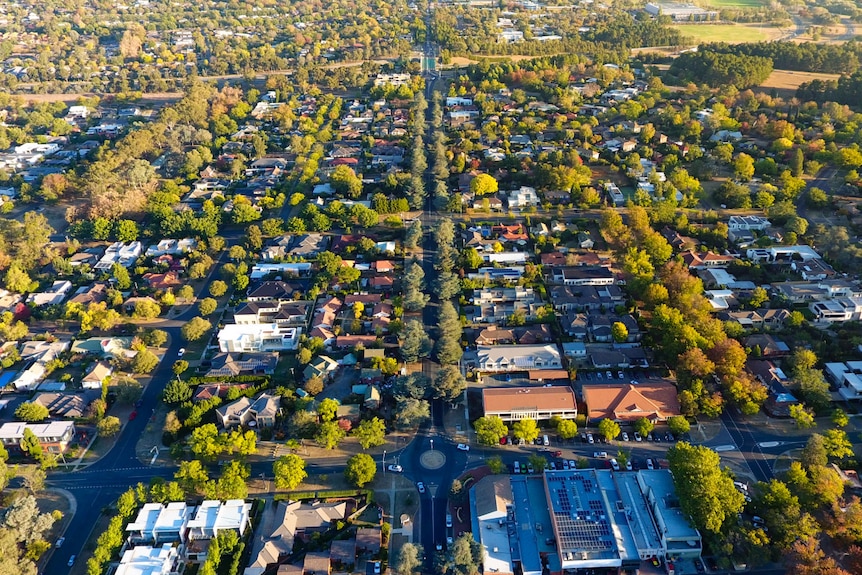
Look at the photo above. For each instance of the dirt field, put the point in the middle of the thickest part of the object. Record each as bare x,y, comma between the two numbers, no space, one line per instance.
731,33
154,98
787,81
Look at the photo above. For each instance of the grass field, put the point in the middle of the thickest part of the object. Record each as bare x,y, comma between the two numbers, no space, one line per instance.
788,81
735,3
730,33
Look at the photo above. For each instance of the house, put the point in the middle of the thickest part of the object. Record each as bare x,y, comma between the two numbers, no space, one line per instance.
158,523
54,295
145,559
813,270
262,270
282,313
523,197
233,364
838,310
766,346
316,563
208,391
100,371
247,412
537,403
125,254
258,338
749,223
615,195
626,402
493,500
321,366
702,260
95,293
161,281
582,276
275,291
36,354
294,519
54,437
518,357
130,303
773,378
492,335
847,377
782,254
368,540
172,247
342,554
64,404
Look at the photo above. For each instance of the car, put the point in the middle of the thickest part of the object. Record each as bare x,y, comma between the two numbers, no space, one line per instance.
516,467
139,403
544,450
669,436
638,437
503,440
628,465
609,374
549,465
524,468
60,542
650,464
376,567
420,486
530,468
650,436
740,486
449,540
557,453
625,436
72,560
600,454
395,468
463,447
633,382
615,464
583,438
572,464
621,375
439,547
698,566
133,415
181,352
590,438
598,375
448,520
565,465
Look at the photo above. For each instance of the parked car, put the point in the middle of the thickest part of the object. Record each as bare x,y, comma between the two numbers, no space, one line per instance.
629,465
625,436
448,520
463,447
133,415
650,464
503,440
420,486
590,438
572,464
638,437
60,542
395,468
615,464
565,465
621,375
376,567
530,468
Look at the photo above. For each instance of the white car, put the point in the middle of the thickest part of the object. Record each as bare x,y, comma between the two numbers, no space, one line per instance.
600,454
628,465
60,542
625,436
395,468
463,447
420,486
650,464
376,567
638,437
615,465
590,438
181,352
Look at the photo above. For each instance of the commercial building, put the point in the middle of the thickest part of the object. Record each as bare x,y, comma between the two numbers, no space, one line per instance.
518,357
627,402
54,437
579,520
538,403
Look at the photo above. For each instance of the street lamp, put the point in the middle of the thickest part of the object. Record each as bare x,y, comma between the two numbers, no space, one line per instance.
432,445
384,462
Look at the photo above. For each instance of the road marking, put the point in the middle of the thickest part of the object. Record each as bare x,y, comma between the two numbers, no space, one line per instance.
720,448
768,444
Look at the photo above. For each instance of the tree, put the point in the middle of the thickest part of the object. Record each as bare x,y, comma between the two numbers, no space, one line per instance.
644,426
23,519
180,366
449,384
840,418
837,443
109,426
232,483
706,491
176,391
805,557
207,306
609,429
30,444
195,329
619,331
121,275
814,453
782,513
204,441
803,417
414,341
17,280
496,465
411,412
678,425
329,435
145,361
360,470
567,429
409,559
483,185
327,409
156,337
490,429
526,429
371,433
413,235
218,288
32,412
464,556
289,471
314,385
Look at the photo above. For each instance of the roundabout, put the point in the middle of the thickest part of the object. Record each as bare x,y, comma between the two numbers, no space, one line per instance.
432,459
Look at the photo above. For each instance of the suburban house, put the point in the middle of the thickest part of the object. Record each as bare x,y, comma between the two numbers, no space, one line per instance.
523,197
54,437
125,254
247,412
582,276
321,366
54,295
274,311
847,377
838,310
164,560
258,337
66,404
233,364
538,403
275,290
100,371
749,223
518,357
627,402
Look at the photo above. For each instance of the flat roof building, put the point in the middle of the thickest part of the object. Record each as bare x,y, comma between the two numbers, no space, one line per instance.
538,403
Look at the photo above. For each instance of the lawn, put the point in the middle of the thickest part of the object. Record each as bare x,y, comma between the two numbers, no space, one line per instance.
730,33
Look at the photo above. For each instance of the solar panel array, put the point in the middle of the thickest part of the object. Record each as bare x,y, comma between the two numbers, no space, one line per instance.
580,516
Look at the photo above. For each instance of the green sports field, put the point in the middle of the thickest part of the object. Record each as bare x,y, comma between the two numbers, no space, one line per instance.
736,3
730,33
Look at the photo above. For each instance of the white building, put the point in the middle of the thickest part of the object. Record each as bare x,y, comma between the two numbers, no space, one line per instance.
124,254
172,247
54,437
519,357
157,523
750,223
838,310
258,337
146,560
212,517
523,197
848,378
259,271
54,295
